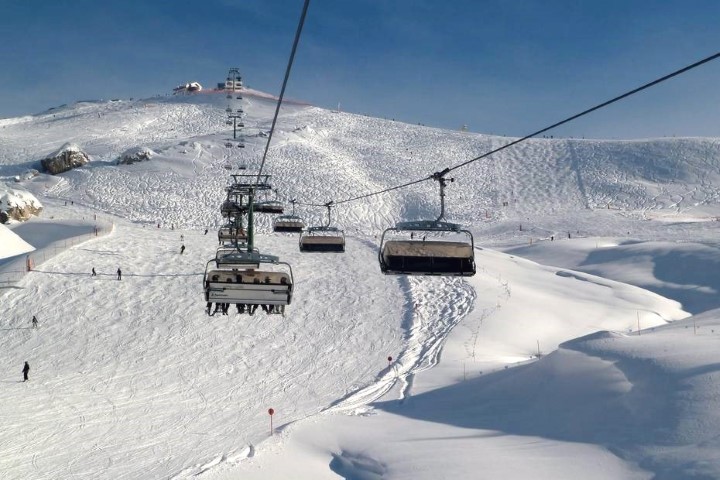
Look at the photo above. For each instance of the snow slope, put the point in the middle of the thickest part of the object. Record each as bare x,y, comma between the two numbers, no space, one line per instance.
130,378
12,245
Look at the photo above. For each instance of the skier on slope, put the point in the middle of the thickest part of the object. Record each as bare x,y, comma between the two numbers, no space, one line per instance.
26,370
119,272
182,249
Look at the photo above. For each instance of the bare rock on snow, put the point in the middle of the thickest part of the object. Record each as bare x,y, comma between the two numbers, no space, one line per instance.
69,156
134,155
17,205
27,175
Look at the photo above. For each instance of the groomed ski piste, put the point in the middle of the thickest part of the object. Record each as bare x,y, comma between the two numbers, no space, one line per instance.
533,368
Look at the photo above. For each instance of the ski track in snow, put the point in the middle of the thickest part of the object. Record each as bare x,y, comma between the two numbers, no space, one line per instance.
109,366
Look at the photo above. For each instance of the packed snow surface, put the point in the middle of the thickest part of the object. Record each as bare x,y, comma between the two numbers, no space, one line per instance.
12,245
586,346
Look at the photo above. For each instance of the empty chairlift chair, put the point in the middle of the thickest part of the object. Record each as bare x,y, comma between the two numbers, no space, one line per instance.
428,247
322,239
269,206
289,223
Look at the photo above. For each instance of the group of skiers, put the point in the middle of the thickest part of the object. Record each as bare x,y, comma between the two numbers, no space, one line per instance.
223,307
93,273
26,367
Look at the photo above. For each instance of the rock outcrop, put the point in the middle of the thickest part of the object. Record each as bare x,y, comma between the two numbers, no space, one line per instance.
135,154
69,156
27,175
17,205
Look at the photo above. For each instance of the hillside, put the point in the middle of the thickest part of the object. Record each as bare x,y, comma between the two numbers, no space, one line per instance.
535,363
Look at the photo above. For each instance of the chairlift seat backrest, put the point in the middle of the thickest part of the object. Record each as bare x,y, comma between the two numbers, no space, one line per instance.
425,252
417,257
322,239
288,223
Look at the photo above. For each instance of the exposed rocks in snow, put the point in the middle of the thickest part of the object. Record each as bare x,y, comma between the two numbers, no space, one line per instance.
305,130
69,156
27,175
135,154
17,205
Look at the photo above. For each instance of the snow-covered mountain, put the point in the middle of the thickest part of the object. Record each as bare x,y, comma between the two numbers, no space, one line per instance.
573,237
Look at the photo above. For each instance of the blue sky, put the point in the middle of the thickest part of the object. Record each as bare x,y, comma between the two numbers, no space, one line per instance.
504,67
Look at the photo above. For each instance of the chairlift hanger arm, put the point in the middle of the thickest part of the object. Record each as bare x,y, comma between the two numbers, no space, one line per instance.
329,208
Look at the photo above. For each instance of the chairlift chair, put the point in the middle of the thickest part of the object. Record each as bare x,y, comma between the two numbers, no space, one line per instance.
288,223
421,248
322,239
269,206
230,208
232,233
248,280
428,247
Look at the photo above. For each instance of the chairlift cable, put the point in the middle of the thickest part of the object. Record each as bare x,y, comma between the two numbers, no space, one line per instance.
284,84
590,110
526,137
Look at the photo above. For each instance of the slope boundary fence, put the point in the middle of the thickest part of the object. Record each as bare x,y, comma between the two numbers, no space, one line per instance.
15,268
